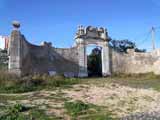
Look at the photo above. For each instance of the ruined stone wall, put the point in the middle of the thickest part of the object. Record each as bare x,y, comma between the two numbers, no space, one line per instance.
70,54
25,58
134,62
44,59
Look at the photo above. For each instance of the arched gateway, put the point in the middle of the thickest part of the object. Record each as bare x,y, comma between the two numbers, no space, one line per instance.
26,58
97,36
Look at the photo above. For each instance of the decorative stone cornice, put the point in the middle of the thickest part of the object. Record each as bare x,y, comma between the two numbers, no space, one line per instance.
91,32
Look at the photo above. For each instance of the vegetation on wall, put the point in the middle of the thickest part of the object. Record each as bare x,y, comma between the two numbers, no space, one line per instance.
3,59
123,45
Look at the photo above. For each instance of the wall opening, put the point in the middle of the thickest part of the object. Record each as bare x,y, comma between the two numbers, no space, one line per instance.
94,61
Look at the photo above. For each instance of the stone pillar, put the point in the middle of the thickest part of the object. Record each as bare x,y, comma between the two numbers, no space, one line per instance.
105,60
14,51
82,59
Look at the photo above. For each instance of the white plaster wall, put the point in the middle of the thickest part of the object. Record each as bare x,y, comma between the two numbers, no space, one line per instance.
2,42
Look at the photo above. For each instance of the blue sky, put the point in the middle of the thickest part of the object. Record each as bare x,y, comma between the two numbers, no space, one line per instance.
57,20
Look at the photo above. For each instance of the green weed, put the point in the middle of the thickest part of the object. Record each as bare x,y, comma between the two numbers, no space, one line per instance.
82,111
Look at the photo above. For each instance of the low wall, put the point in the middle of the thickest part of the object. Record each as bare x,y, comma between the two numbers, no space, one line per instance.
135,62
44,59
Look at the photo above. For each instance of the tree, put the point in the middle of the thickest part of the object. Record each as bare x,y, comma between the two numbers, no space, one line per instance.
140,50
95,63
123,45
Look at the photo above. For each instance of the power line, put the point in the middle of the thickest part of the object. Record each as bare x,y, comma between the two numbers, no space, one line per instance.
145,39
140,35
152,32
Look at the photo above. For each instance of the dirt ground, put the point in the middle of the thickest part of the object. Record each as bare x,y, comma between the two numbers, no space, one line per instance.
125,102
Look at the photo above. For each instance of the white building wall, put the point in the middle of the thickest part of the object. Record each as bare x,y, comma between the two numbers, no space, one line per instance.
2,42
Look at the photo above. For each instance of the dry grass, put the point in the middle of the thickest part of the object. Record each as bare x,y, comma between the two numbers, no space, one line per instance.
115,96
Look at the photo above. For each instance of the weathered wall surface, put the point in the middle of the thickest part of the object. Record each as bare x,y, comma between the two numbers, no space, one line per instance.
42,59
134,62
25,58
34,59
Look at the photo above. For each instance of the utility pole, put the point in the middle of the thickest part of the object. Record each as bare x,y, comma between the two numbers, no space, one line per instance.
153,38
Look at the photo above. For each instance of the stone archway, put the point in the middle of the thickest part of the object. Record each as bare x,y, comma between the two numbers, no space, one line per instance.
97,36
94,60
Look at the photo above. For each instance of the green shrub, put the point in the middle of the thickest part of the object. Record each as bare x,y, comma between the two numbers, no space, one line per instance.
14,113
76,108
17,112
38,115
82,111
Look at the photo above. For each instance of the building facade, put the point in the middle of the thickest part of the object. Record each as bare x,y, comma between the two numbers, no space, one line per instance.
4,42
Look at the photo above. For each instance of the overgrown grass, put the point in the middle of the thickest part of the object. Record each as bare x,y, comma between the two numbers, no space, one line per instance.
4,98
39,115
17,112
14,113
76,109
3,66
145,76
13,84
82,111
148,80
